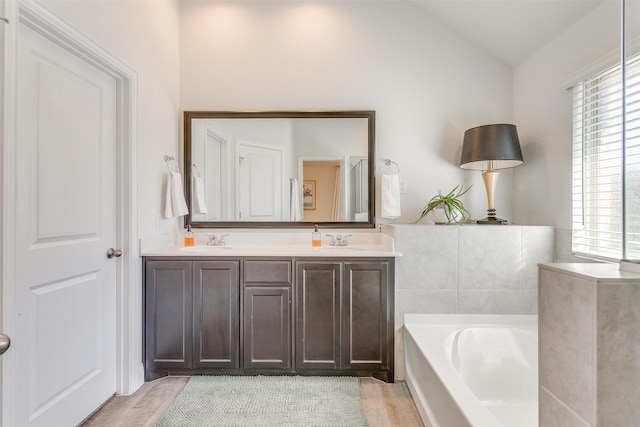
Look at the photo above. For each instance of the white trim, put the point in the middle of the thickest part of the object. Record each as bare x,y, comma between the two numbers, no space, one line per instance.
7,260
129,368
609,60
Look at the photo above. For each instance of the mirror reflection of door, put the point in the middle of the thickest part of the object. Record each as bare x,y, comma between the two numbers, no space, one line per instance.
210,174
260,176
214,185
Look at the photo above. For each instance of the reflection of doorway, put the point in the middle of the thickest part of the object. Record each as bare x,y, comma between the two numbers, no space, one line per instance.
216,177
327,174
260,182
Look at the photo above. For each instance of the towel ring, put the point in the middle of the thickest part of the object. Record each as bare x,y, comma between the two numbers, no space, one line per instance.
168,160
196,170
389,162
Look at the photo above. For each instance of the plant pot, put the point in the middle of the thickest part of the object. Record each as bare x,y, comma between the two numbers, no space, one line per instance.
438,216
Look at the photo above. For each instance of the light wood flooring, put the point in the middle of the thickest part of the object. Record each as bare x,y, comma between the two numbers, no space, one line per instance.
384,404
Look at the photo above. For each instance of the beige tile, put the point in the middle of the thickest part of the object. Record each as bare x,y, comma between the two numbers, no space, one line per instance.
423,301
618,355
554,414
498,302
429,256
489,257
566,365
537,247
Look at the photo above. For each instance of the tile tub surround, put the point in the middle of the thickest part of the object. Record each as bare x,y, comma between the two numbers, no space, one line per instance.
467,269
589,326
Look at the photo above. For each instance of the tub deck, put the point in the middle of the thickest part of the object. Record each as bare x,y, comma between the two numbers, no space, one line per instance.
473,370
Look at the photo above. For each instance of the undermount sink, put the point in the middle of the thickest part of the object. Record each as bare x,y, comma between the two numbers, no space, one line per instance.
339,248
205,248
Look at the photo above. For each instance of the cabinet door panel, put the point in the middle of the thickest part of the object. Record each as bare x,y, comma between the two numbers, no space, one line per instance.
318,298
366,315
259,272
168,314
267,327
216,313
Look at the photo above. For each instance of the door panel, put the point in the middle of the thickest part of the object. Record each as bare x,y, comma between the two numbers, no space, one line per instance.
318,320
214,168
366,315
216,314
65,221
267,327
168,315
260,178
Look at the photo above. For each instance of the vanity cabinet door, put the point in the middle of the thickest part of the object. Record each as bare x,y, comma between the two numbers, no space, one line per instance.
168,314
216,314
318,319
367,333
267,327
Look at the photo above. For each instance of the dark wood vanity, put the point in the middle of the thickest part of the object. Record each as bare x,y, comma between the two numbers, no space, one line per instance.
269,316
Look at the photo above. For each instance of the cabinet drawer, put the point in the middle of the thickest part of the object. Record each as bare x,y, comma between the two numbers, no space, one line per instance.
267,271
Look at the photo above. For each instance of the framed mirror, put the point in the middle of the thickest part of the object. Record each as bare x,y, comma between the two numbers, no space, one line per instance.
281,169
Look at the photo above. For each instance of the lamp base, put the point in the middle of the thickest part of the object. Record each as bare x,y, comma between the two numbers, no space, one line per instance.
492,218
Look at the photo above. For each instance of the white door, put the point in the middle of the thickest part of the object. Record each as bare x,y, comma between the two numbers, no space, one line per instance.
214,172
63,346
260,177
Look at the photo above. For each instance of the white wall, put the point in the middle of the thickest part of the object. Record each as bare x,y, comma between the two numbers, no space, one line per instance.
144,35
542,111
426,83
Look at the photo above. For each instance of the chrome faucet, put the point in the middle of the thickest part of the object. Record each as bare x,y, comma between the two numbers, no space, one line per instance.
214,240
339,240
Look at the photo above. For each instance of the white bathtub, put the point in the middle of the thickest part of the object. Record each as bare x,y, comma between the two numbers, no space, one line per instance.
473,370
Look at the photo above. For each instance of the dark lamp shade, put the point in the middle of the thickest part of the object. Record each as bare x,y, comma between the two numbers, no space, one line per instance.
496,143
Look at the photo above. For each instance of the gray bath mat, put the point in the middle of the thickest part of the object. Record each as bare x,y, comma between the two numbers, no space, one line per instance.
267,401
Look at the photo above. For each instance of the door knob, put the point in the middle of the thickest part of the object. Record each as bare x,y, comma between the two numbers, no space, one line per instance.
5,342
111,253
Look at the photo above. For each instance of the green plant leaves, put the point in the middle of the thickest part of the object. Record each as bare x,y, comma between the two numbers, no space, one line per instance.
451,203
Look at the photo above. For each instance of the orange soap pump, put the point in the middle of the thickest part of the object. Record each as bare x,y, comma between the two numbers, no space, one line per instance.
316,237
189,239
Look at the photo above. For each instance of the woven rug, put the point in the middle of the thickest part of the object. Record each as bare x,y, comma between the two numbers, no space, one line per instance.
267,401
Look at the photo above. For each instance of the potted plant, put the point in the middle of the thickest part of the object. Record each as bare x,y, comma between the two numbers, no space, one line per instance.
451,207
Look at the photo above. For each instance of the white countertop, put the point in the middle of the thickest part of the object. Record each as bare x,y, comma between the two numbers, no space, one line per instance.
274,250
274,243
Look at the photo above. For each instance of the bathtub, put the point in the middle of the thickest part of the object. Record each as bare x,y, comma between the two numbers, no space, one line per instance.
473,370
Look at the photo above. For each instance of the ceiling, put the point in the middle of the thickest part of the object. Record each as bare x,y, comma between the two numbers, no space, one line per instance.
510,30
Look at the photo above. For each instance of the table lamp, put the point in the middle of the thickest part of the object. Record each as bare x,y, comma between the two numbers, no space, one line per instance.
489,148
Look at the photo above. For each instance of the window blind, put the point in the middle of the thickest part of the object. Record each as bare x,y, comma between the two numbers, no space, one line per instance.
597,194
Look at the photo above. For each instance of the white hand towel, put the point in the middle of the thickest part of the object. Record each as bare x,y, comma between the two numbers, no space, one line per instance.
175,204
390,196
199,202
295,205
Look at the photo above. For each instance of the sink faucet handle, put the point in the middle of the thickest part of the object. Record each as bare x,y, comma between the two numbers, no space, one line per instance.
221,239
344,239
211,239
333,240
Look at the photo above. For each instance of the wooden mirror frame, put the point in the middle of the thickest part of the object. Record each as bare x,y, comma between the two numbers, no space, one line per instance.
349,114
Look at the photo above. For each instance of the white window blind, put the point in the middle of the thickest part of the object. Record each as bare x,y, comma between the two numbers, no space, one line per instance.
598,158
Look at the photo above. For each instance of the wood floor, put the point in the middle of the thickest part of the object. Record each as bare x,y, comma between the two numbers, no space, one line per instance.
384,404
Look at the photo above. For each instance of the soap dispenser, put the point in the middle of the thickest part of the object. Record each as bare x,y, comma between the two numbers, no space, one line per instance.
189,239
316,237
